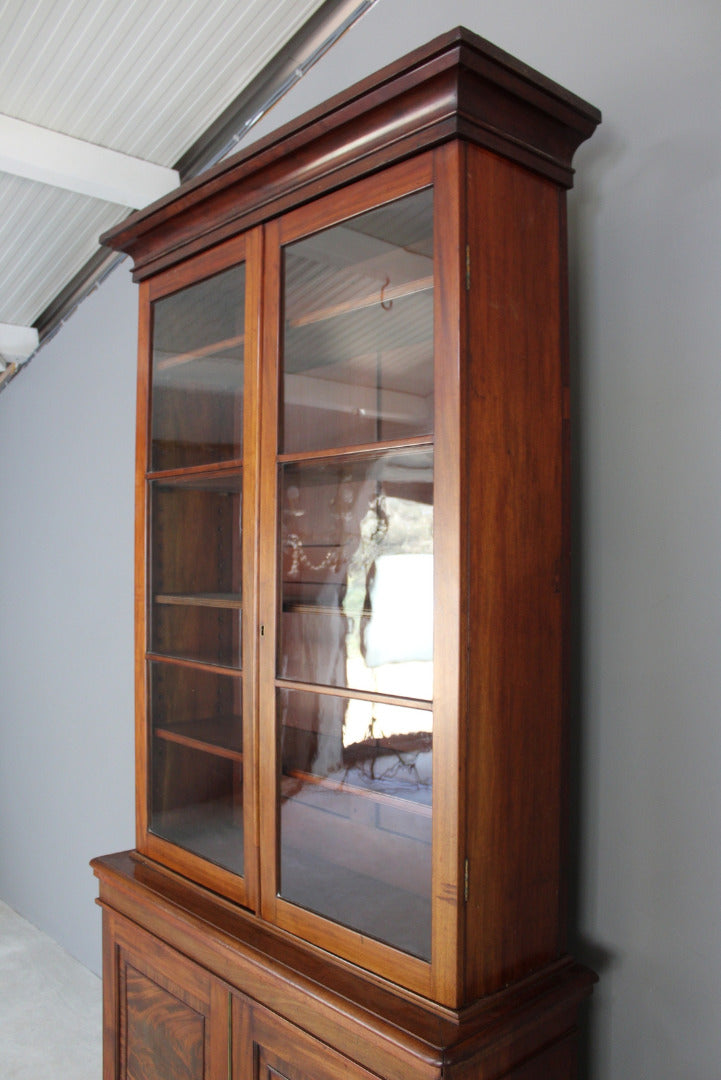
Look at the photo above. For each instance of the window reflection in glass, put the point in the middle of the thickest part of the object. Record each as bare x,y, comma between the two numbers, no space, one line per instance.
355,635
357,613
355,816
357,573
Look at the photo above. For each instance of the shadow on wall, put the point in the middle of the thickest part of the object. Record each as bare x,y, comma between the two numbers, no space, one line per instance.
601,155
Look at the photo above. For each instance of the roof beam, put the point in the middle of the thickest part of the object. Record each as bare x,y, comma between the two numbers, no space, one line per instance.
17,342
50,157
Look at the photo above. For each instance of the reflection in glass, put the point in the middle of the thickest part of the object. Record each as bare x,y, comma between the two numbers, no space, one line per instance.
355,815
197,762
357,573
195,585
358,330
197,373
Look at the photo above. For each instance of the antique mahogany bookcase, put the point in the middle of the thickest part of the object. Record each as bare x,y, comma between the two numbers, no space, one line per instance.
352,593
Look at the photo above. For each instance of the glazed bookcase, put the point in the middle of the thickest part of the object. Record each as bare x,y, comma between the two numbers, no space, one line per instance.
352,595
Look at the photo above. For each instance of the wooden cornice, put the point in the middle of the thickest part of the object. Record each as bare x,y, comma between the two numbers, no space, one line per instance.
457,86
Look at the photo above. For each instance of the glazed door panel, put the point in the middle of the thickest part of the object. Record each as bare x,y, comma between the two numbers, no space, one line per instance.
355,547
348,590
196,488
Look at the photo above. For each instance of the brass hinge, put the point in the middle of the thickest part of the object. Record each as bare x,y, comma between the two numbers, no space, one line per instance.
468,267
465,881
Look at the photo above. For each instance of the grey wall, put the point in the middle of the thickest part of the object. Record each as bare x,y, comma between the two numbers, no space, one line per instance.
66,637
646,326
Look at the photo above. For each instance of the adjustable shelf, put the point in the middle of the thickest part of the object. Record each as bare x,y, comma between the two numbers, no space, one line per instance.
226,601
216,736
214,349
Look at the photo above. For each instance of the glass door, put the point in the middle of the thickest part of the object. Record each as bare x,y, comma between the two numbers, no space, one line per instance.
353,597
197,803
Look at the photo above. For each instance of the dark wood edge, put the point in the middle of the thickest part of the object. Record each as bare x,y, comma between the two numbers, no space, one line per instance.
282,974
457,86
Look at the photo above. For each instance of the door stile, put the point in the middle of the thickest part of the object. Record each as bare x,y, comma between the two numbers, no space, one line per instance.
266,630
450,569
251,547
141,552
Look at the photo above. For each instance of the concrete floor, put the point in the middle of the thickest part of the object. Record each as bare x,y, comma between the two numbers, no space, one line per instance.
50,1008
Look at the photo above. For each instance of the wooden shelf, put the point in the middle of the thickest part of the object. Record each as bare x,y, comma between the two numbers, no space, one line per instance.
291,607
347,787
210,736
215,473
202,353
341,454
355,693
229,601
383,295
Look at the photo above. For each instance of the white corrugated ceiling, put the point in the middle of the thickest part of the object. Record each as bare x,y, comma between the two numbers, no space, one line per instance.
144,77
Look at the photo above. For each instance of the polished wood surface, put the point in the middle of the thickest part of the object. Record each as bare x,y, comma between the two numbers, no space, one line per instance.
450,625
515,522
170,1020
458,85
234,963
285,913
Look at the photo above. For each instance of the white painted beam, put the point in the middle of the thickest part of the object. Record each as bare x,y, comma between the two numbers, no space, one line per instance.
50,157
17,342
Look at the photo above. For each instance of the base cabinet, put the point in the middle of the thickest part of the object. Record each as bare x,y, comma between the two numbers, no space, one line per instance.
194,990
278,1050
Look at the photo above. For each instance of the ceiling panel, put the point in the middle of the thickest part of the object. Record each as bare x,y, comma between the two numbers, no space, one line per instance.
141,76
46,235
144,77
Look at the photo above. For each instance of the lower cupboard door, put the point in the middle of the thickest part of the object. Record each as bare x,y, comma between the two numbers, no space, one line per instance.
171,1016
268,1048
